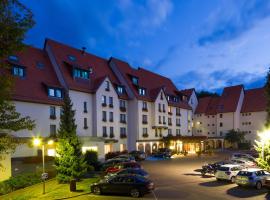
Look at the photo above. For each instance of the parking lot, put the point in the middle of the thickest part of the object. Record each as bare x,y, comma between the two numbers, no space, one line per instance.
179,178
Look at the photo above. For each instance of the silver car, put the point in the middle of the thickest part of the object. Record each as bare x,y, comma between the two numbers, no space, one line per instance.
252,177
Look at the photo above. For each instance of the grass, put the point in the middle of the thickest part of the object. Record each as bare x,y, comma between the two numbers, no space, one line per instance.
53,191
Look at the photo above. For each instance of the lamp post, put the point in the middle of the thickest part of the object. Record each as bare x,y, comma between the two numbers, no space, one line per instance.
38,142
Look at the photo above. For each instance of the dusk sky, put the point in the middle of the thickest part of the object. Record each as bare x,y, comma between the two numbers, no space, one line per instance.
197,43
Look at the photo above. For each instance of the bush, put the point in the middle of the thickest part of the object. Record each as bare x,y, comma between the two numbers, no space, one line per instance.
91,158
18,182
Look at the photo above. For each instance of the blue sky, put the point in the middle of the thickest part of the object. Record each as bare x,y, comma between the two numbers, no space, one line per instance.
206,44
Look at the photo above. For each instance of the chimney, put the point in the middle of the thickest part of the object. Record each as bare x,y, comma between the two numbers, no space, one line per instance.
83,50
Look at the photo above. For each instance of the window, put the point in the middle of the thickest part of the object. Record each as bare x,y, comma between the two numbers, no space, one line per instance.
107,85
161,96
52,130
85,123
135,80
159,107
144,119
169,121
111,116
220,124
52,112
168,98
178,122
221,133
159,119
220,115
72,58
178,132
120,89
142,91
144,106
85,107
104,116
111,132
53,92
103,100
104,131
122,118
145,131
13,58
18,71
169,131
178,113
170,110
164,108
164,120
122,104
123,132
111,102
80,73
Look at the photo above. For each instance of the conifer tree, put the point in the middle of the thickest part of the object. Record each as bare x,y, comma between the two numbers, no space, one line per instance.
70,164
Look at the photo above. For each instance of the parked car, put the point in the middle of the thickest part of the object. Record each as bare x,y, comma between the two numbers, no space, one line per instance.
112,162
126,157
243,156
212,168
163,153
134,171
132,185
228,172
252,177
244,162
138,155
124,165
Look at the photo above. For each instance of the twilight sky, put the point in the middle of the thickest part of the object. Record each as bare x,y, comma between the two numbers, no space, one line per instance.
206,44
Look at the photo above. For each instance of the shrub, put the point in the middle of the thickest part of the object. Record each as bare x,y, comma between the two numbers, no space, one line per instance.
91,158
244,146
18,182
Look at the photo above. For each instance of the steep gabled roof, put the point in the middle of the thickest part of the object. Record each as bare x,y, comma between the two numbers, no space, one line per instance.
99,67
255,100
33,86
229,99
152,82
188,92
202,105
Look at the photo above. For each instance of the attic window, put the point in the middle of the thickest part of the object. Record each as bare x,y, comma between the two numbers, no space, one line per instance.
40,65
80,73
55,92
72,58
142,91
135,80
18,71
13,58
120,89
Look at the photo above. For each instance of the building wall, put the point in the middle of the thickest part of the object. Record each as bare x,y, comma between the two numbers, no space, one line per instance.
133,124
251,123
227,121
237,112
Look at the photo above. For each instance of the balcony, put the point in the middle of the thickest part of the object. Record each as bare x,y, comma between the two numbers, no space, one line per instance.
170,123
145,109
122,109
123,136
104,104
111,135
104,135
104,119
178,124
52,116
144,122
123,121
111,105
145,135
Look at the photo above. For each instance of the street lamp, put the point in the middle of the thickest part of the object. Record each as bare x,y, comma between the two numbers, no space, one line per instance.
39,142
265,137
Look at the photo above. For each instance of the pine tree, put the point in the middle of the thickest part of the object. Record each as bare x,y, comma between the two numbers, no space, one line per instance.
70,164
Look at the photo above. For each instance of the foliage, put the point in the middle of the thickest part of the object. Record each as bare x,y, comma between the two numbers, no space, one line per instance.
91,158
264,159
18,182
206,94
69,162
267,91
234,137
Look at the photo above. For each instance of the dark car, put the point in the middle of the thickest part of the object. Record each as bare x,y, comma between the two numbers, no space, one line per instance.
132,185
212,168
123,165
134,171
112,162
138,155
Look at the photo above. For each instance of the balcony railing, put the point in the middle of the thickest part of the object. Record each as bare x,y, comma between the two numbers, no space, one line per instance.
111,135
123,121
104,104
144,122
52,116
122,109
123,135
105,135
145,109
145,135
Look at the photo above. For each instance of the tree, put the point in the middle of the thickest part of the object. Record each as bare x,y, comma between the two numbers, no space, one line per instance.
267,92
234,137
204,93
70,164
15,21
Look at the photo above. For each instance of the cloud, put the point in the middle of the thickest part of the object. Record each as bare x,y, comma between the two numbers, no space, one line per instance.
234,25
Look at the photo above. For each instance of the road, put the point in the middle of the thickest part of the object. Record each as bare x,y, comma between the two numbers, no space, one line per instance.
178,178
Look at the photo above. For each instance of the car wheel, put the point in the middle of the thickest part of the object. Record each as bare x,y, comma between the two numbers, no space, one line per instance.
258,185
96,190
135,193
233,179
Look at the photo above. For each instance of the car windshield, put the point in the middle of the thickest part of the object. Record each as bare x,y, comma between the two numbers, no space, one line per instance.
224,169
244,173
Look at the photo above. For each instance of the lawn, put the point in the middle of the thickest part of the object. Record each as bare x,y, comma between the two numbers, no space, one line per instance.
53,191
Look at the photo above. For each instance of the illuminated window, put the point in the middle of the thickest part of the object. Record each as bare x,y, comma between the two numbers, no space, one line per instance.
18,71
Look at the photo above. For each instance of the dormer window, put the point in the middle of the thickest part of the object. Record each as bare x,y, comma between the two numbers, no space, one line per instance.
18,71
142,91
55,92
13,58
120,89
72,58
135,80
80,73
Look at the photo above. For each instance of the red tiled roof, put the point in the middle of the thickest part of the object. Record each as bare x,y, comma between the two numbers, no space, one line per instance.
32,87
254,101
188,92
99,66
202,105
152,82
229,99
212,106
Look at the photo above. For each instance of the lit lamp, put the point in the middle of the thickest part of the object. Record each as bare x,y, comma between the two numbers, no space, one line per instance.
265,137
39,142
